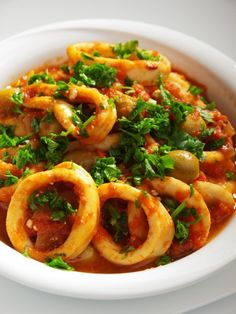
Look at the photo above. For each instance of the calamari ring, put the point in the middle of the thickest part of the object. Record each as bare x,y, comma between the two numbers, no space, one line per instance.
86,219
181,192
138,231
103,121
41,102
111,140
82,157
217,197
179,87
161,228
143,71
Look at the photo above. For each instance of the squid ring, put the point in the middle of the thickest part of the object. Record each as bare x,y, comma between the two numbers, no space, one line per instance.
143,71
161,228
213,195
103,121
181,192
86,219
111,140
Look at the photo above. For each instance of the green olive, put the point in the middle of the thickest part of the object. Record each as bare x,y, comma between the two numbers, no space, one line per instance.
193,125
186,166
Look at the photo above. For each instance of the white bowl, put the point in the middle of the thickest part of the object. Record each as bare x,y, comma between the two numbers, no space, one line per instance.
196,59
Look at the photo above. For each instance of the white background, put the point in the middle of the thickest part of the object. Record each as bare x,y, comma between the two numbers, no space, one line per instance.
213,21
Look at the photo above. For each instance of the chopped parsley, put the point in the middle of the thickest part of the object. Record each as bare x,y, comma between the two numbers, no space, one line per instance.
179,215
58,263
210,106
163,260
6,156
191,190
96,54
207,132
48,118
65,68
61,87
147,55
105,170
206,115
126,50
7,138
42,77
9,180
116,222
35,124
81,120
51,199
195,90
216,144
230,175
26,172
17,98
184,141
131,149
51,148
181,230
86,56
126,249
96,74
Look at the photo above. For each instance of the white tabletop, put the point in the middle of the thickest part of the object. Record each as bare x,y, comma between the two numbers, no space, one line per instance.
213,21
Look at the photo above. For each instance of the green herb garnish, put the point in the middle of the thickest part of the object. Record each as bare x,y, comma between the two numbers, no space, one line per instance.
58,263
105,170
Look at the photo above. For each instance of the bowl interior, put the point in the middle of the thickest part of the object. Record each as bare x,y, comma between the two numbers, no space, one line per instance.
199,62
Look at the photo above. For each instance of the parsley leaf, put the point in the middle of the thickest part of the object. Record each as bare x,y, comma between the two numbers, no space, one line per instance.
18,99
182,227
59,206
163,260
9,180
99,75
195,90
216,144
43,77
51,149
116,222
81,120
147,55
7,138
65,68
35,124
230,175
61,87
207,132
105,170
124,51
181,231
184,141
58,263
210,106
207,116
